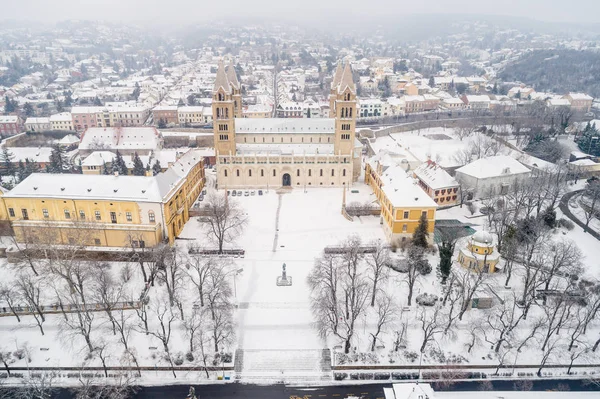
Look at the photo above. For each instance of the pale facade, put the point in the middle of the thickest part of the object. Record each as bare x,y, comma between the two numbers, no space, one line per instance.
285,152
62,121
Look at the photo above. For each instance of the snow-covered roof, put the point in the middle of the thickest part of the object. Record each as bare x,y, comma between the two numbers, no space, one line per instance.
126,138
69,139
482,98
35,154
40,121
494,166
580,96
434,176
98,158
403,191
9,119
559,102
285,125
62,117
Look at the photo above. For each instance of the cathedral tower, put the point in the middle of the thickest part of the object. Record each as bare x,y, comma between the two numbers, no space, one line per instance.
236,90
344,111
223,107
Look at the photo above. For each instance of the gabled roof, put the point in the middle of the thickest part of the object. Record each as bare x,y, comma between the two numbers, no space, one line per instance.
346,80
232,76
221,79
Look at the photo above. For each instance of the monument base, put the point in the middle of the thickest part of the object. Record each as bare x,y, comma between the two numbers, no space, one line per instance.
284,282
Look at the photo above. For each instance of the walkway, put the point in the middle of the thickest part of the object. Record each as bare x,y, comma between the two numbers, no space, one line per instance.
564,207
276,239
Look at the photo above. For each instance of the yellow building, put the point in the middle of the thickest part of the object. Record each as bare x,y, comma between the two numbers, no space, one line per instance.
478,253
402,201
105,210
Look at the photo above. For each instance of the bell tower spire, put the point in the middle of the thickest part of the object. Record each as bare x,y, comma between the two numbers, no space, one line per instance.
344,107
223,113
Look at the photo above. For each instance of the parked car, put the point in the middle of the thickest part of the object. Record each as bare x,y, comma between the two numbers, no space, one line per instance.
239,193
228,192
233,193
203,192
259,192
201,198
246,193
252,192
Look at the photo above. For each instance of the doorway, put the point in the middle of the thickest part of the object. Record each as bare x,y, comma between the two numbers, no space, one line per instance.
287,180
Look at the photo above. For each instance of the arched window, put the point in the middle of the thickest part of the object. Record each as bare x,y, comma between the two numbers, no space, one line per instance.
297,172
249,172
332,172
225,171
344,172
321,172
309,172
262,173
350,112
151,217
237,172
274,173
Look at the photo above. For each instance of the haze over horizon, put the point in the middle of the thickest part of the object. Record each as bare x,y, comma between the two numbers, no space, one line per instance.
187,11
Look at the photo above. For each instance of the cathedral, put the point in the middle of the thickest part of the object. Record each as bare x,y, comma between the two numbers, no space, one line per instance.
285,152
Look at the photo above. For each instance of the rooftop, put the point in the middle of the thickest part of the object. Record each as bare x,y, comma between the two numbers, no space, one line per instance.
434,176
126,138
494,166
403,191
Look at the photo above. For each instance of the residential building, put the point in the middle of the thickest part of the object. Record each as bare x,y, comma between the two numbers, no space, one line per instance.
191,116
580,102
373,108
115,115
10,125
62,121
453,103
288,152
126,140
37,124
105,210
402,201
421,103
491,176
437,183
167,113
257,111
477,101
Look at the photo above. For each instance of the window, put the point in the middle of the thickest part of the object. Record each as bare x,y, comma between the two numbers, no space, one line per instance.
45,213
344,172
11,212
237,172
424,213
309,172
97,241
405,214
332,172
345,136
151,217
297,172
82,215
262,173
274,173
404,228
25,214
67,214
128,216
321,172
249,172
97,214
113,217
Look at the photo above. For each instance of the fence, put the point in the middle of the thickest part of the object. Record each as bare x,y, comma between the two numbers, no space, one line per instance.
68,308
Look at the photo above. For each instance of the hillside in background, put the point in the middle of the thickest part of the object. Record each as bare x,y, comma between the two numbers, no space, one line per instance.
559,71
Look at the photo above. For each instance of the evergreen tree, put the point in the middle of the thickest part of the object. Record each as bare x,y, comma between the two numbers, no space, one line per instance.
58,160
68,98
9,105
31,167
589,142
59,106
161,123
431,81
78,167
28,109
156,168
6,158
105,168
119,165
21,173
97,102
136,92
138,166
495,88
420,235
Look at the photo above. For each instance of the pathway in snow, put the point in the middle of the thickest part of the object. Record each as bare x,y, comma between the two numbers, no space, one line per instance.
279,201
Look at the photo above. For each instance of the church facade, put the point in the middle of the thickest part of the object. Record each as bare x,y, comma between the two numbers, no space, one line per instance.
285,152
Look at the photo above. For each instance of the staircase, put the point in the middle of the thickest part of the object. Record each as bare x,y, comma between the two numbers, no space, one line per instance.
283,365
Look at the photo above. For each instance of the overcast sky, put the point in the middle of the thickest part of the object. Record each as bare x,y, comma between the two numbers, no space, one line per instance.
189,11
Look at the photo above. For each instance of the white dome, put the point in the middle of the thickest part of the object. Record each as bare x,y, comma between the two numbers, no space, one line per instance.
483,237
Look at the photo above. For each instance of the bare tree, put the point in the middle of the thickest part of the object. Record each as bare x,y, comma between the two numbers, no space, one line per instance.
41,387
170,271
107,292
224,219
386,312
9,293
218,299
78,322
590,203
341,291
378,266
198,268
123,386
469,282
502,322
416,265
562,260
165,318
548,351
29,290
431,325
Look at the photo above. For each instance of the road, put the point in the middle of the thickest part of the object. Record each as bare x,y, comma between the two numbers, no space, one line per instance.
564,207
366,391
